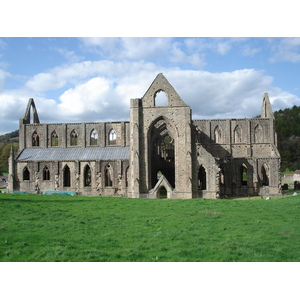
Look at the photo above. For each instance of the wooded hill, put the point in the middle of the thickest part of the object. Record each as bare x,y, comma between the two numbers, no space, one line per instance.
6,141
287,124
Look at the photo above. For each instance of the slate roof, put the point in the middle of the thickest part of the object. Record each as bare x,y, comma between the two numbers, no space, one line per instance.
74,153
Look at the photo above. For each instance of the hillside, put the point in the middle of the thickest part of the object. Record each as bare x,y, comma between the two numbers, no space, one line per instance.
287,124
5,145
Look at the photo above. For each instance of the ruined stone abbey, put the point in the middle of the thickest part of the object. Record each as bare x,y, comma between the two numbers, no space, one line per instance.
160,152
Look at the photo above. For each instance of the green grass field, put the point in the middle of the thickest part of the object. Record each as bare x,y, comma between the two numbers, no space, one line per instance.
64,228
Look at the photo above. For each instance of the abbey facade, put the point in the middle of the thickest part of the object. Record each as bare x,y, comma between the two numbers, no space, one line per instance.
160,152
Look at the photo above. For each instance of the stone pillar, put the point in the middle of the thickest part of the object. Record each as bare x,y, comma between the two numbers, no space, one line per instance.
134,182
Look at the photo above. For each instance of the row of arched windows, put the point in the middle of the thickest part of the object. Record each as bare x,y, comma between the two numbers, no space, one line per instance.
112,138
218,135
87,177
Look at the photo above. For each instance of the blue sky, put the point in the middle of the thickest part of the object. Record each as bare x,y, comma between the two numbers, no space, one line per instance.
93,79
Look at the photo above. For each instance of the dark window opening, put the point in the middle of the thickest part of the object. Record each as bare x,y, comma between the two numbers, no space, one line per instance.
67,177
87,176
202,178
162,192
46,173
26,174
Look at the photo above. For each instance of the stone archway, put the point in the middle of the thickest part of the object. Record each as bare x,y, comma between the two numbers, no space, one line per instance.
162,144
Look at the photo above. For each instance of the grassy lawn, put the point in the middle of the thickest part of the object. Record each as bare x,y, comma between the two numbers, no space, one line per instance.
65,228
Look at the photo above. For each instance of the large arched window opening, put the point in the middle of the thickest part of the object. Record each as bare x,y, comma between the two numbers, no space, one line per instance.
202,178
26,174
265,175
160,98
67,176
112,138
94,138
162,146
87,176
74,138
108,176
54,139
46,173
244,174
35,139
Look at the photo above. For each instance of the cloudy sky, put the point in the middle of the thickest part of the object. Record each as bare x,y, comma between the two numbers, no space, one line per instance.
93,79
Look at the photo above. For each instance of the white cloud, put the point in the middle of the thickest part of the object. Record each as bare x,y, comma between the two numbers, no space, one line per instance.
285,49
101,91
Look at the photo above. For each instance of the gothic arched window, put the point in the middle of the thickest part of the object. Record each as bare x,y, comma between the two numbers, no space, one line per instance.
112,138
67,176
35,139
258,134
26,174
237,134
74,137
87,176
94,138
46,173
218,135
54,139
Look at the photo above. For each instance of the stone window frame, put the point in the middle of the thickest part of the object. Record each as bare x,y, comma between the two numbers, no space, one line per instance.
218,134
54,139
87,175
94,139
237,134
202,178
35,139
74,138
112,137
46,173
26,173
66,176
108,174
